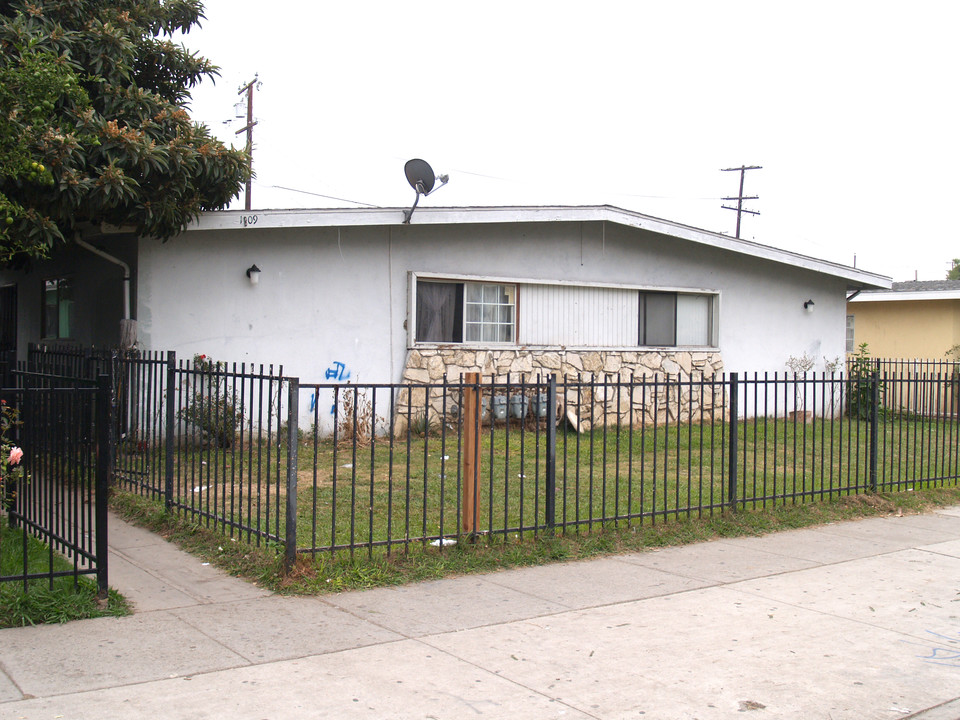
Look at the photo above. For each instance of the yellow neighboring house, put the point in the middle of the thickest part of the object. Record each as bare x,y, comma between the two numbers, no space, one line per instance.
916,319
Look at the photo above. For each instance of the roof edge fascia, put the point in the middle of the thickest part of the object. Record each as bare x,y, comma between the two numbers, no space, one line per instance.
355,217
907,296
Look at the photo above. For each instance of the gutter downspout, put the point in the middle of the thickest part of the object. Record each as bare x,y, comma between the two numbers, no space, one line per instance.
128,327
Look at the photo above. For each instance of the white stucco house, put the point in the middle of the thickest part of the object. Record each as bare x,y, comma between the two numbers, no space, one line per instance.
356,294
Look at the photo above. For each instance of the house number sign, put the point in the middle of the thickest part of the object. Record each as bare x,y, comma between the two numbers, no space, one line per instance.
248,220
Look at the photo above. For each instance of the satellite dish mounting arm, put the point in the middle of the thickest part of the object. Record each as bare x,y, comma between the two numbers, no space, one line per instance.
407,214
421,178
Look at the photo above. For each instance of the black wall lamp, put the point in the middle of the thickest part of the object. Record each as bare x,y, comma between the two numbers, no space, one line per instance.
253,273
808,306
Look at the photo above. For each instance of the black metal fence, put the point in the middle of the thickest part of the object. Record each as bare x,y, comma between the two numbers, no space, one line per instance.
203,436
62,426
385,467
575,453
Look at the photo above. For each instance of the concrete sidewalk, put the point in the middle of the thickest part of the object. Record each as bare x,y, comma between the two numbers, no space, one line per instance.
854,620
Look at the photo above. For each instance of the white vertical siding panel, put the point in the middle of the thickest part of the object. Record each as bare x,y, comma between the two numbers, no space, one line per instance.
577,316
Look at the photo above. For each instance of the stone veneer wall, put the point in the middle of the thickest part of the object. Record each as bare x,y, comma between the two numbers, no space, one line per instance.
594,400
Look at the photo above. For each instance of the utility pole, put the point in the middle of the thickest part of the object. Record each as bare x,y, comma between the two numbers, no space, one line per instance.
740,198
248,89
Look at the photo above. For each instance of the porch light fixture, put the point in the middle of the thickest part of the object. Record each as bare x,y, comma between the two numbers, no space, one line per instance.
253,273
808,305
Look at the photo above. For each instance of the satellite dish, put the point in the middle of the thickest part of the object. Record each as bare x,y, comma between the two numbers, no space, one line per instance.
422,180
420,176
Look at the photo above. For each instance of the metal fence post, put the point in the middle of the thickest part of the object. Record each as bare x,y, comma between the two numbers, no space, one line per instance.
112,435
104,421
551,478
168,430
874,429
733,441
293,448
471,453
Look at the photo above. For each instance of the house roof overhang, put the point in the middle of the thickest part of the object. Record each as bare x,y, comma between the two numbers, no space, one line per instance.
354,217
901,296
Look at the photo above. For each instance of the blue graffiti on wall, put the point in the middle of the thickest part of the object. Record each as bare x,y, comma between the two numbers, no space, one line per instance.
337,371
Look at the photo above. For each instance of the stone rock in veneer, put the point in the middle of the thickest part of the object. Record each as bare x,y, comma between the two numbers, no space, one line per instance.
628,374
568,371
669,366
416,375
654,361
489,365
685,362
592,362
414,359
574,361
464,358
522,364
417,399
612,363
549,361
454,372
436,366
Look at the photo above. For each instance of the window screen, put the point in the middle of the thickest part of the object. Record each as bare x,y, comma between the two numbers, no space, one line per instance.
658,319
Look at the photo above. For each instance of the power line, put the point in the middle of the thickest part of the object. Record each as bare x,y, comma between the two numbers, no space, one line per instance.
328,197
608,190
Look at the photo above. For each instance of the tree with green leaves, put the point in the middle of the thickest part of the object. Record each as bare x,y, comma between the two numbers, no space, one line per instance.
954,272
93,123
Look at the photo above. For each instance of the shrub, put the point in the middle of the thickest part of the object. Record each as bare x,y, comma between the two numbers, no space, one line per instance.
211,409
860,395
354,424
11,471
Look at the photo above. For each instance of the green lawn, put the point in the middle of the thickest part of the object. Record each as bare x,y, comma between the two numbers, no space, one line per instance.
42,601
389,491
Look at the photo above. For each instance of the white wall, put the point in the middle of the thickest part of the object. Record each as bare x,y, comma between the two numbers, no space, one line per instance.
334,301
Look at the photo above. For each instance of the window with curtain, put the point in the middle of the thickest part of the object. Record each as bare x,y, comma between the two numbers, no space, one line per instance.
452,312
439,312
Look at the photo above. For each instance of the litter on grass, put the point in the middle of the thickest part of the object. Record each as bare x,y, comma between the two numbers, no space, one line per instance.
444,542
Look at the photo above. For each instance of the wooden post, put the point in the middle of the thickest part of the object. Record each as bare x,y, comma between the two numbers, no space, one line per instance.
471,451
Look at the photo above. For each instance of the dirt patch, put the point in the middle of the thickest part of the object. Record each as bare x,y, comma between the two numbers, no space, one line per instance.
304,569
868,500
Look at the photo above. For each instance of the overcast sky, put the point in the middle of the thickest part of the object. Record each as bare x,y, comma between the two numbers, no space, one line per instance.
850,108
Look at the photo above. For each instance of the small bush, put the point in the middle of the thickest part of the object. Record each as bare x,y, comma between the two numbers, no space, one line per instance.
860,403
211,408
355,421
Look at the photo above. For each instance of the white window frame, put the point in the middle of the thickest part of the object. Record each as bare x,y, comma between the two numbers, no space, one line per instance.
505,313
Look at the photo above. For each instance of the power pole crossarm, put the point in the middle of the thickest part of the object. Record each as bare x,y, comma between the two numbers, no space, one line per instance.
741,197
